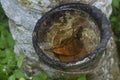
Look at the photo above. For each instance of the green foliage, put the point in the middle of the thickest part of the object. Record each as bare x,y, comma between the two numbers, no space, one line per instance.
115,21
7,58
116,3
115,17
82,78
9,66
20,60
17,74
42,77
12,77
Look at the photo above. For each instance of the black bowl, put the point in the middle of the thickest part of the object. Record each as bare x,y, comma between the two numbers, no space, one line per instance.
96,14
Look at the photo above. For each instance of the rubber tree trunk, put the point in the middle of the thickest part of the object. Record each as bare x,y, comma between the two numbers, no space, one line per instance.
108,68
23,15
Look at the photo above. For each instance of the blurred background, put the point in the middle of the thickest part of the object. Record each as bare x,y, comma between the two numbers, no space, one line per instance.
10,67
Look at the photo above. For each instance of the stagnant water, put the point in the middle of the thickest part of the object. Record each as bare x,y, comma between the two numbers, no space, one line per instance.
71,35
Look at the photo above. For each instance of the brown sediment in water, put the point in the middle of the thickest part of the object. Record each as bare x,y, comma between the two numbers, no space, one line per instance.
81,54
71,36
70,49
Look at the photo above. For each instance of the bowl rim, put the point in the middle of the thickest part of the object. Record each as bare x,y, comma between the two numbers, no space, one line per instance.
96,14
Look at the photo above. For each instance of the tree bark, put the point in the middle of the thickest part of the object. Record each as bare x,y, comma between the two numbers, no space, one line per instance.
108,67
23,15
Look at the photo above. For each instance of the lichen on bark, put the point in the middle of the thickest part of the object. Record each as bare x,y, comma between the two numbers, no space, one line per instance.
22,20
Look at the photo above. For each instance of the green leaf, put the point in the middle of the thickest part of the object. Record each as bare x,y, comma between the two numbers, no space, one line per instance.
3,75
82,78
42,77
118,40
20,60
11,60
114,18
22,78
10,42
12,77
36,77
115,3
19,74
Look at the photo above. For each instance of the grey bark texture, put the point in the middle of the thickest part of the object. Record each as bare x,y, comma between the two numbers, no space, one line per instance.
23,15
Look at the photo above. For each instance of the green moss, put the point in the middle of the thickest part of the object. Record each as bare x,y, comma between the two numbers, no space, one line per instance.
25,2
39,2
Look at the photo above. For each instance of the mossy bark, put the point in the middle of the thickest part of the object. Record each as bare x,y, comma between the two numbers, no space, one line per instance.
108,68
23,16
